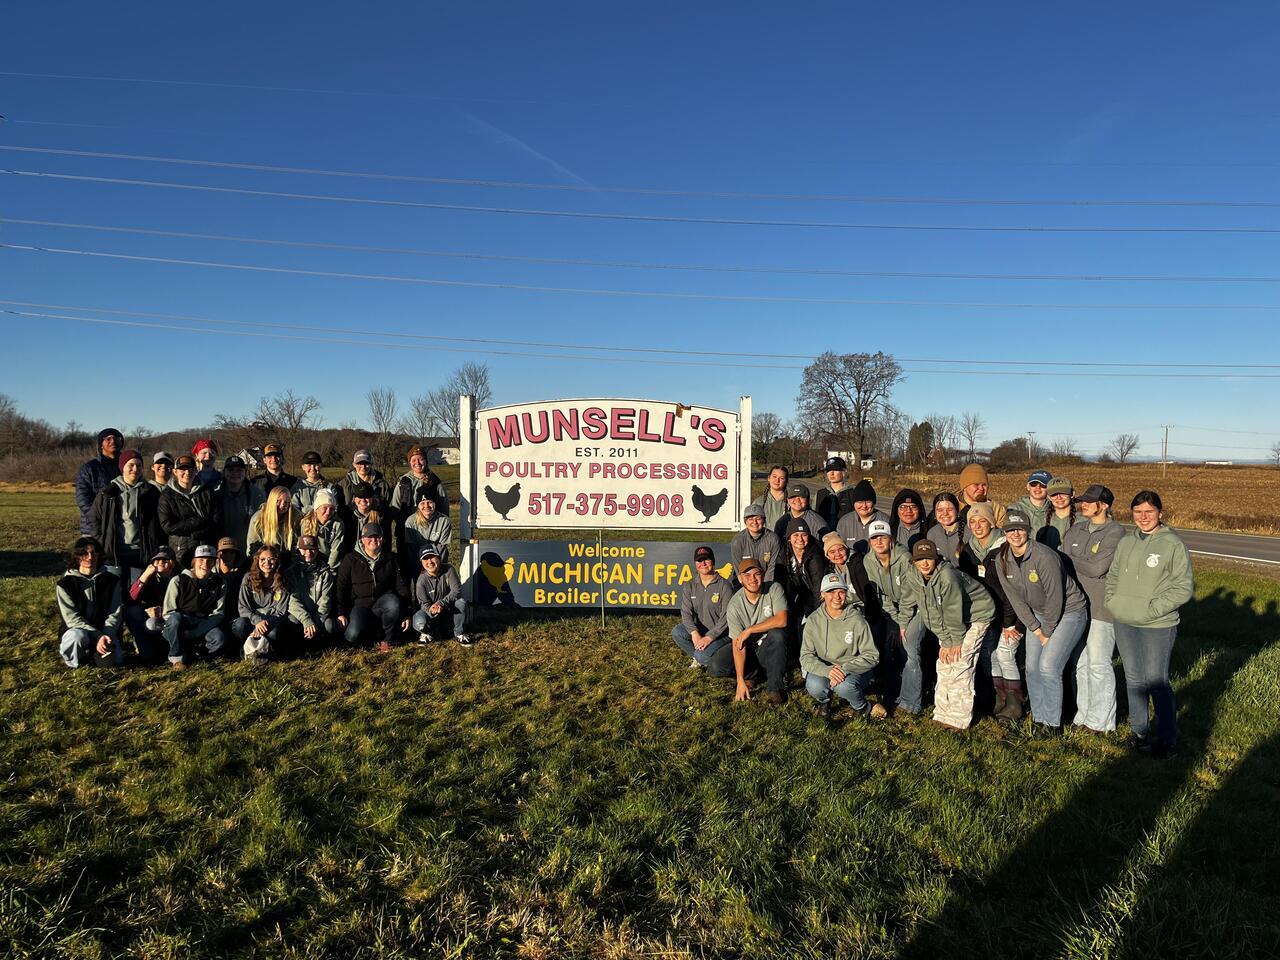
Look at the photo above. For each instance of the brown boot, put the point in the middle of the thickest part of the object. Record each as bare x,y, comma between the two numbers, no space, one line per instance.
1013,710
1002,696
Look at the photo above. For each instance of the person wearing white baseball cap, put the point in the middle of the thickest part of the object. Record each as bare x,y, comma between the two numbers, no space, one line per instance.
362,472
195,609
838,653
889,572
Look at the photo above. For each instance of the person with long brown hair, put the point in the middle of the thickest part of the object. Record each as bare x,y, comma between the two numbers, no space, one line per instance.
266,604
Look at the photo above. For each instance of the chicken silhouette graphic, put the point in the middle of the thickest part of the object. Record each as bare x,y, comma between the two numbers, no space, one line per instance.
708,506
498,576
504,503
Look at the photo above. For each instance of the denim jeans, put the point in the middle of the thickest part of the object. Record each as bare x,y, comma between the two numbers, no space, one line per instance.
768,651
852,688
263,645
434,625
1096,678
146,630
181,628
717,656
901,673
385,611
80,647
1046,663
1145,653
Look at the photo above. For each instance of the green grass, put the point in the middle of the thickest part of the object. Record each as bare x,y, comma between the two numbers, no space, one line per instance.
559,791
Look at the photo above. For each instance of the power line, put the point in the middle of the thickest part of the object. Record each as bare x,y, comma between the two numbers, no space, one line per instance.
633,265
651,294
1255,433
641,218
489,350
682,351
641,191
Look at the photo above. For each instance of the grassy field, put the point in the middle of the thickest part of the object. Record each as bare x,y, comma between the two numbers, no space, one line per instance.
559,791
1239,499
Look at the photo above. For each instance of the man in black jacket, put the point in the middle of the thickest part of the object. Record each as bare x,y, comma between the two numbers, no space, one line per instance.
190,515
275,475
371,590
96,474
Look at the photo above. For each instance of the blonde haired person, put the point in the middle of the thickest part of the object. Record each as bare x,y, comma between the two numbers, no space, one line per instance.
276,523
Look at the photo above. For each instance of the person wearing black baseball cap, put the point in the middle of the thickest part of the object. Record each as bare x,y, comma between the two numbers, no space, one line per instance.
835,498
96,474
798,509
703,631
145,606
758,629
956,609
189,513
1051,606
363,507
1034,504
304,490
1090,544
275,474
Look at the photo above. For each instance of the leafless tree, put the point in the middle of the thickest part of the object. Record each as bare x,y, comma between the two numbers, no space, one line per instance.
765,428
1064,447
284,418
1122,447
842,394
970,429
436,411
1275,453
382,409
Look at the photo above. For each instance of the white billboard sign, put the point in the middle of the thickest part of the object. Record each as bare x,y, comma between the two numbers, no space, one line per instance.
641,464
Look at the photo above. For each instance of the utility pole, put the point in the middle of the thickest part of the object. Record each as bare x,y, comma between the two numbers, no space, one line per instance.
1031,443
1164,452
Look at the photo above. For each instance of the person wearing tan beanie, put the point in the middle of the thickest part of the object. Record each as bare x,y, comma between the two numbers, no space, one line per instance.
973,489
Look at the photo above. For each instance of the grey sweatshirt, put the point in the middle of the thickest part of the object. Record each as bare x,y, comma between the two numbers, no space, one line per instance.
846,643
130,532
303,493
854,530
774,510
951,602
417,534
444,588
704,606
948,543
312,584
894,583
73,618
256,606
1038,587
742,613
1091,547
766,548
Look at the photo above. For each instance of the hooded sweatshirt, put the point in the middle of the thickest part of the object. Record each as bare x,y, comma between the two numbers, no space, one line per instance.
1039,516
774,510
951,602
1149,579
1091,548
1038,586
705,606
121,513
845,642
444,588
303,493
90,602
331,537
418,534
312,585
894,584
270,604
853,529
362,579
381,489
201,597
949,544
903,534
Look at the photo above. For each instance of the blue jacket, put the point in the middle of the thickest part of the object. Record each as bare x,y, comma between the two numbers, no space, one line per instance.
90,480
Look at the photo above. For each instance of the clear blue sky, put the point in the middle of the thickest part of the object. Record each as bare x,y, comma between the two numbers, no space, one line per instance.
1008,101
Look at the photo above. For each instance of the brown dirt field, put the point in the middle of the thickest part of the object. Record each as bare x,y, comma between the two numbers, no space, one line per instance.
1234,499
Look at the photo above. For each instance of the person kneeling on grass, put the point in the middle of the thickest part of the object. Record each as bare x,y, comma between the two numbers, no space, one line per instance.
370,592
703,630
957,609
195,609
310,580
268,609
146,601
89,607
439,593
838,652
758,625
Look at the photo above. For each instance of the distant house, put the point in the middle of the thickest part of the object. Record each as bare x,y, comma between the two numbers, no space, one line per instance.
850,457
1219,463
252,458
443,450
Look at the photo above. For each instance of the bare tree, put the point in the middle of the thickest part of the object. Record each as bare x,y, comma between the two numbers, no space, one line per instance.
843,393
1064,447
945,430
1275,453
765,428
437,409
382,409
285,418
1122,447
970,429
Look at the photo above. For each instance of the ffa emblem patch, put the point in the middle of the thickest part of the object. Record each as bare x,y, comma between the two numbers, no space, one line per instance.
1153,560
768,609
1094,548
715,598
848,636
1033,577
767,555
982,570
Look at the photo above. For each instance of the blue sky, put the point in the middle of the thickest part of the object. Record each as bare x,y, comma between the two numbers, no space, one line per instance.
1012,101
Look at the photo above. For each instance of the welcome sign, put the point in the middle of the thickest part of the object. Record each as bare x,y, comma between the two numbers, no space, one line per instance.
639,464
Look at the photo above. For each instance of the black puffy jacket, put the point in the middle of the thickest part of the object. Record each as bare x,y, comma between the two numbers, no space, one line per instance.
190,519
360,584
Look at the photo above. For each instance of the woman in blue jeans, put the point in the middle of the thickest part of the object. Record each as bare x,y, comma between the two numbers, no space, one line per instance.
1149,580
1052,608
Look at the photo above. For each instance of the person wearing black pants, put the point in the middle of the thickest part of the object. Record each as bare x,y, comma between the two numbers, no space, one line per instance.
371,592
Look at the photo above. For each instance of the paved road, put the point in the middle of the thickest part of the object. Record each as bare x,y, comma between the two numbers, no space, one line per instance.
1230,546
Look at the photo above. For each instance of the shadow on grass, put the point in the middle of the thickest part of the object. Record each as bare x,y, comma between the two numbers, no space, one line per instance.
31,563
1044,895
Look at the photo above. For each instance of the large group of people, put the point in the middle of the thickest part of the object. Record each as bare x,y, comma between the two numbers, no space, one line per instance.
1025,603
195,562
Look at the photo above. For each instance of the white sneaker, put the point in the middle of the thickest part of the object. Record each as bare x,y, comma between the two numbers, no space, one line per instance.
463,639
424,638
694,664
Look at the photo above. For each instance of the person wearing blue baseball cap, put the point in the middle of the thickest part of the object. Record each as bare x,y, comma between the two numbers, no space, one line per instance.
1035,503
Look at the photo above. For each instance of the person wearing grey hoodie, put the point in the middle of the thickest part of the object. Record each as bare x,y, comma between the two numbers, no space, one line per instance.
999,655
837,651
1034,504
89,609
945,528
126,519
310,579
1090,545
852,527
889,573
326,524
1149,581
268,609
1052,607
425,525
438,594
